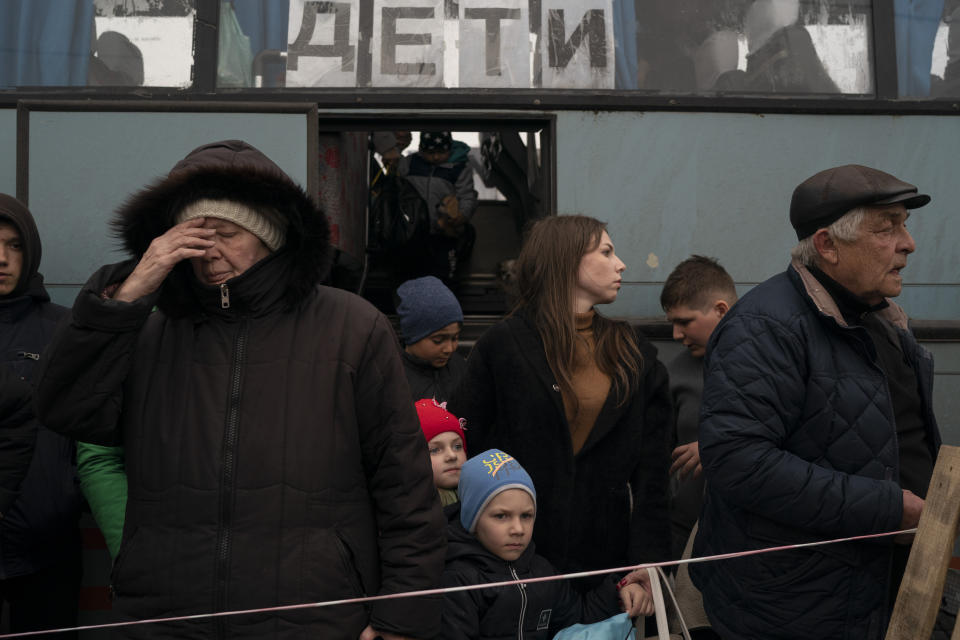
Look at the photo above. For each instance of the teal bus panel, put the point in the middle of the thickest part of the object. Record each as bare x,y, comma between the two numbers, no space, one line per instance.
83,165
8,151
672,184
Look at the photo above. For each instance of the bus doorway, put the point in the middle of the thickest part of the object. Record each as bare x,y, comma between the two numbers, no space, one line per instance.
497,178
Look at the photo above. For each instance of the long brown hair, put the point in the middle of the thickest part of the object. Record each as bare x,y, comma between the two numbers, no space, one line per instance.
547,272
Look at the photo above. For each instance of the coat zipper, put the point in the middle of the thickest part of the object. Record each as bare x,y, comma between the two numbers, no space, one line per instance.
26,355
523,602
228,475
224,296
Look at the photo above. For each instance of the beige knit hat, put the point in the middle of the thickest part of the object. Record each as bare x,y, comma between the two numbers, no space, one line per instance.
256,223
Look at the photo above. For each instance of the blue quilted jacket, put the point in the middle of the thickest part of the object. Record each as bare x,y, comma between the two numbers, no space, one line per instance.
798,443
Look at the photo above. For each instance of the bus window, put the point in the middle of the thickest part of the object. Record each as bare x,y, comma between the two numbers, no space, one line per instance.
794,47
928,48
97,43
750,46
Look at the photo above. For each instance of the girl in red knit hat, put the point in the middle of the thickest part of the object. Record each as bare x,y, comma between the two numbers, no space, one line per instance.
444,434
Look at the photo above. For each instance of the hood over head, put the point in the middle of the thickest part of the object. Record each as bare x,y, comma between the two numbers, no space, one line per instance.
12,211
230,170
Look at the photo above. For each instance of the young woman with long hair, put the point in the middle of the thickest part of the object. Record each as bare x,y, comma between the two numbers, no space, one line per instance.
580,400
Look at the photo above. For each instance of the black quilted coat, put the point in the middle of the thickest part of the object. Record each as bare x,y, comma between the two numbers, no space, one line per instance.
798,443
273,454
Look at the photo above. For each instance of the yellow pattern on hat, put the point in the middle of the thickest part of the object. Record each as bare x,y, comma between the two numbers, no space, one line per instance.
238,213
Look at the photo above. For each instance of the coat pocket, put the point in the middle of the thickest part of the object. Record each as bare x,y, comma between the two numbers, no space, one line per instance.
328,568
790,566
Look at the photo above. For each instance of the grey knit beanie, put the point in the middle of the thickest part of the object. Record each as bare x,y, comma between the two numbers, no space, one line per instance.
238,213
426,305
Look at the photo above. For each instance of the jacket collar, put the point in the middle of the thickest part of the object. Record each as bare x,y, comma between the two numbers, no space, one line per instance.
851,307
827,305
420,363
252,293
15,306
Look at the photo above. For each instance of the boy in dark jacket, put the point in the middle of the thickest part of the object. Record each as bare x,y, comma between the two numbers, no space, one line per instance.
40,554
430,323
489,540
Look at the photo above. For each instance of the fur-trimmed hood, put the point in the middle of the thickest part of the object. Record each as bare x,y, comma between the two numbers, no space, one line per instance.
233,170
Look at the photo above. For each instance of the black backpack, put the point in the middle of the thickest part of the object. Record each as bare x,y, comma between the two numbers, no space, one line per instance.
398,214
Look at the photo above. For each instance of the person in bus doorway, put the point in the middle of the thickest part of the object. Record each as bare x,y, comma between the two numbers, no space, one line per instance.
430,323
440,174
817,423
40,554
580,400
272,452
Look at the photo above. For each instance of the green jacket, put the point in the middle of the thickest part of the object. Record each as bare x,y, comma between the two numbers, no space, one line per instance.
103,481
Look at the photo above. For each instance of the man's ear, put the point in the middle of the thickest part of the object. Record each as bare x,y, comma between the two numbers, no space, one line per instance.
721,307
826,247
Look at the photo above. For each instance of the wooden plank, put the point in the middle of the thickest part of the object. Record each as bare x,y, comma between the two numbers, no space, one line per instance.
918,601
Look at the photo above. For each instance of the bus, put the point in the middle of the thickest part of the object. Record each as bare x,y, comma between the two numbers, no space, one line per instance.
685,124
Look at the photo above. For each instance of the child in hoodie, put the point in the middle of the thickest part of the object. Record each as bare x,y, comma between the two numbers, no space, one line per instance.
489,540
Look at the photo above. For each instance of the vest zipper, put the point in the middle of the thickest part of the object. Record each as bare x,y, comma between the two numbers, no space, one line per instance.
228,475
523,602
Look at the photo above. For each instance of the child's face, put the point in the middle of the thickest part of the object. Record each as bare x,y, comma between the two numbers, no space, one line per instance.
437,347
447,455
506,525
436,157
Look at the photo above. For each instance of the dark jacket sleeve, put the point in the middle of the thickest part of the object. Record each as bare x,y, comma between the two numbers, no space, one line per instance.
462,610
598,604
400,480
650,520
753,399
18,434
466,194
80,385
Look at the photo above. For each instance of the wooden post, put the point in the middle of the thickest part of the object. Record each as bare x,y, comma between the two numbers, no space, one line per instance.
918,601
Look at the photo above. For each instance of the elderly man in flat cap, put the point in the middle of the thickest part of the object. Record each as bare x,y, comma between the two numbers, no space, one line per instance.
817,423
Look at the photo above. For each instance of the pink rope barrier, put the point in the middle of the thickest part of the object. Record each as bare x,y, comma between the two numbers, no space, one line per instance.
444,590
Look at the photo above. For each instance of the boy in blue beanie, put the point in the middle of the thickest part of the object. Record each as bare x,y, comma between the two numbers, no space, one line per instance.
430,323
489,540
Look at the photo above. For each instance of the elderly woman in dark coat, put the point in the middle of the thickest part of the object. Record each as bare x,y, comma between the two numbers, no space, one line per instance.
272,451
